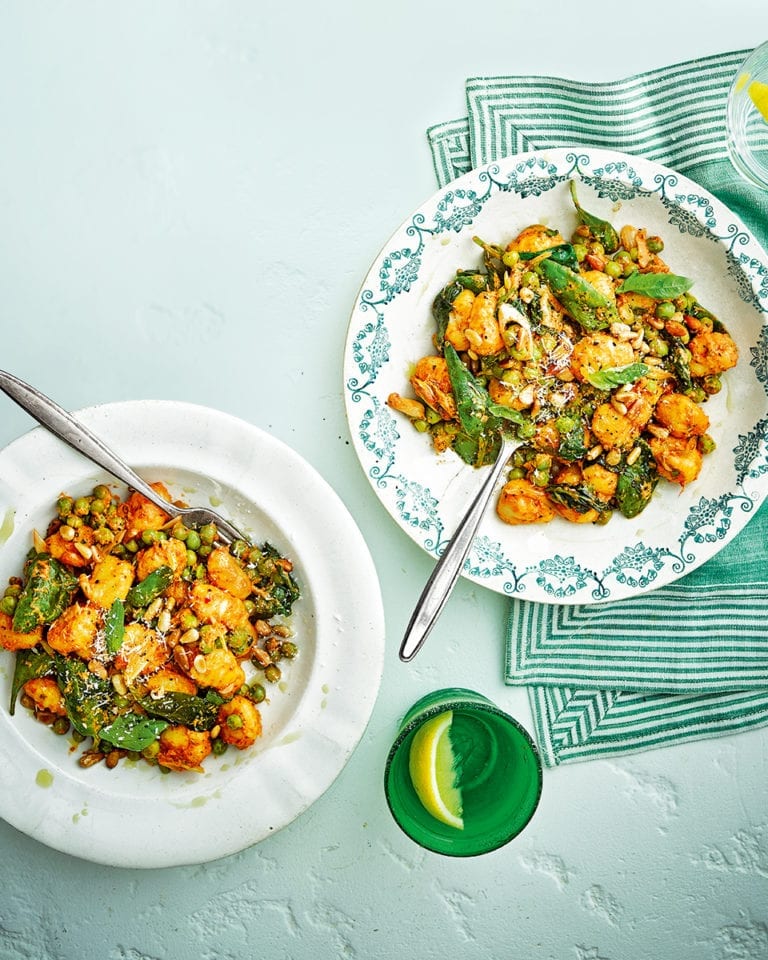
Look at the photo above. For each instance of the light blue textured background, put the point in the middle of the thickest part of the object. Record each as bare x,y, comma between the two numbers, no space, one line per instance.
190,195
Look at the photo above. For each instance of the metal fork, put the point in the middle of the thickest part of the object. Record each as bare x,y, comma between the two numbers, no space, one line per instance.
77,435
440,585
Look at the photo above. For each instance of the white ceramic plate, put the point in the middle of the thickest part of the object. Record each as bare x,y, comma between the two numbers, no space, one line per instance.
391,328
133,815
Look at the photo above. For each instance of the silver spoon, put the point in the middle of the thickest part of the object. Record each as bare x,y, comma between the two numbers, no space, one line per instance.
443,579
77,435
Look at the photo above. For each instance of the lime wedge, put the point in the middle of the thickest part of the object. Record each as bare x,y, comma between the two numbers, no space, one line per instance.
431,765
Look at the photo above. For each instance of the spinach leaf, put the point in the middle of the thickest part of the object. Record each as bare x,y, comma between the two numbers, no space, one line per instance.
562,253
580,299
471,398
474,280
88,698
660,286
478,451
637,483
132,731
114,626
501,412
680,361
143,593
197,713
572,446
611,377
46,595
442,306
579,498
30,664
600,229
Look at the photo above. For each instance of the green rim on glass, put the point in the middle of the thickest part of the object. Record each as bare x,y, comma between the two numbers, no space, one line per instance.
498,771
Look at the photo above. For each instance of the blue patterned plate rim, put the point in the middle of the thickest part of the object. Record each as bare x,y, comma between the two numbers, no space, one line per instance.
391,327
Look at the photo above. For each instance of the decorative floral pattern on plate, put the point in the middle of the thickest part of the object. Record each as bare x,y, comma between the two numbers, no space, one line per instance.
391,327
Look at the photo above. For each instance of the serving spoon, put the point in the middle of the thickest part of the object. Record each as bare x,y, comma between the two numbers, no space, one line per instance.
67,428
440,585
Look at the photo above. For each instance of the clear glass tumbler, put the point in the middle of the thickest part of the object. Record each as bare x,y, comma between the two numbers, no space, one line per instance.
497,770
747,118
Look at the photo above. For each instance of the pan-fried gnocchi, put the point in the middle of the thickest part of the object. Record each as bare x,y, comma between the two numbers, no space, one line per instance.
591,353
142,638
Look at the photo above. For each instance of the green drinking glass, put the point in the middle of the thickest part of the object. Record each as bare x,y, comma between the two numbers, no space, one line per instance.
489,764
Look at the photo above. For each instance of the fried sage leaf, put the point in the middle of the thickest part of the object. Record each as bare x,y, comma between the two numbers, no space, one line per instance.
132,731
30,664
48,589
588,307
600,229
197,713
114,626
151,586
88,698
636,483
610,377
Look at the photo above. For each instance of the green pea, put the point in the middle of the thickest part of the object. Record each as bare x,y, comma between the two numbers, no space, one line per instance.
665,310
529,279
659,347
208,533
193,540
205,550
614,269
98,506
238,548
218,747
101,492
64,506
655,244
597,248
712,384
179,531
12,590
187,620
234,721
273,673
82,506
288,649
60,726
131,546
706,444
8,605
258,693
580,251
151,750
510,258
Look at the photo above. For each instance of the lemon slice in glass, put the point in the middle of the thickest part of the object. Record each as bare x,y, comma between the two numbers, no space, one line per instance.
758,94
431,765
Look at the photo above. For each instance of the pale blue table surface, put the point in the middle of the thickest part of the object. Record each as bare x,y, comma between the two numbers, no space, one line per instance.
190,196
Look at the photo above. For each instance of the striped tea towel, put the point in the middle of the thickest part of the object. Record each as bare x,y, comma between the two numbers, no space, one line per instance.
695,663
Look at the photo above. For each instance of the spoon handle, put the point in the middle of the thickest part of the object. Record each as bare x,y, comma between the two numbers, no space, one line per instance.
76,434
443,579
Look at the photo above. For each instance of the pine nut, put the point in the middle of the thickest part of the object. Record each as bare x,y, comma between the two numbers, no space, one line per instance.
633,455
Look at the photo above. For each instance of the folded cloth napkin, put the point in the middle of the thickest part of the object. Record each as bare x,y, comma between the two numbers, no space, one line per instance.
689,660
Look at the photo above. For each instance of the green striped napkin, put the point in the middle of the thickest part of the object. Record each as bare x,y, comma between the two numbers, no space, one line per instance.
689,660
